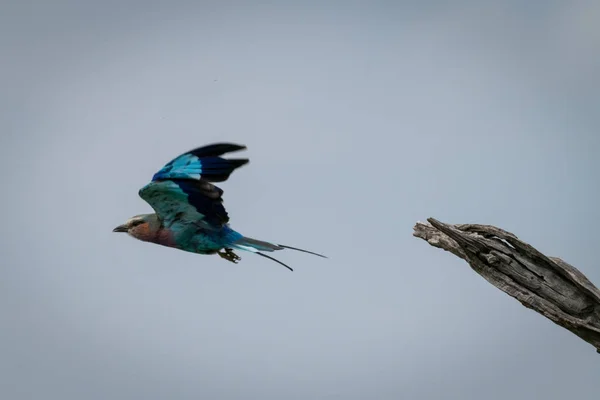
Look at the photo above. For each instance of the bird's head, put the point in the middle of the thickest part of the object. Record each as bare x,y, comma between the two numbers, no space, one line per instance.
138,226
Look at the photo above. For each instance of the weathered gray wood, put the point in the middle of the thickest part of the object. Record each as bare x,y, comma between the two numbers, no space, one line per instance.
544,284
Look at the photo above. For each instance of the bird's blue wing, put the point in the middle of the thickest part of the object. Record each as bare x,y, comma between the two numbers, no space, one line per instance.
203,163
180,201
181,191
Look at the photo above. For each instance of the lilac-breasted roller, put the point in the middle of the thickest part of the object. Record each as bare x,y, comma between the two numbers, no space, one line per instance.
189,213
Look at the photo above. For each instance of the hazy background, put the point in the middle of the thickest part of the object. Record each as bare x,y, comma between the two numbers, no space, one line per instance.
360,118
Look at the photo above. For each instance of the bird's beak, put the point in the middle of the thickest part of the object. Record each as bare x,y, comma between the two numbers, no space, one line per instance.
121,228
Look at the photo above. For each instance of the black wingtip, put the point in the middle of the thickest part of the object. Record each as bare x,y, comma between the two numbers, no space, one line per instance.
274,259
302,250
238,162
216,149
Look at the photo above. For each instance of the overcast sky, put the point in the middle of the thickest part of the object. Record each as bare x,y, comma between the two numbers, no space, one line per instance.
360,118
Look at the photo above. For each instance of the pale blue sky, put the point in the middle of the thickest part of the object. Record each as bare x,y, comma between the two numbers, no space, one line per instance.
360,119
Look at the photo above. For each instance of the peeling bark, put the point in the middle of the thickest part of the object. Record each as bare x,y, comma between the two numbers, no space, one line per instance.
547,285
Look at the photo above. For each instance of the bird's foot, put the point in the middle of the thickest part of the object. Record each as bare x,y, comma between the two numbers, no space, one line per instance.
229,255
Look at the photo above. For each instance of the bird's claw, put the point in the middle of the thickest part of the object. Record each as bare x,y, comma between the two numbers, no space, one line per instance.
229,255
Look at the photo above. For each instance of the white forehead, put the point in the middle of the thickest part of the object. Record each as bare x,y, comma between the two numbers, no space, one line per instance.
135,218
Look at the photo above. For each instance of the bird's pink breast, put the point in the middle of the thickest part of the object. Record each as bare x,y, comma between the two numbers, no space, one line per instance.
166,237
147,233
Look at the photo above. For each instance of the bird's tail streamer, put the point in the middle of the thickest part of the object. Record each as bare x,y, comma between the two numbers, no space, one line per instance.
256,246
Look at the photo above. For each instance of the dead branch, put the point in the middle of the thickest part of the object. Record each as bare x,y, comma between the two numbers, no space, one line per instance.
548,285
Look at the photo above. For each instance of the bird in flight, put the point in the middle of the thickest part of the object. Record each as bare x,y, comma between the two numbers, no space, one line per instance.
188,209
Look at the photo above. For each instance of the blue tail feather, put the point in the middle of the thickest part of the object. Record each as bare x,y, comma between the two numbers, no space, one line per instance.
256,246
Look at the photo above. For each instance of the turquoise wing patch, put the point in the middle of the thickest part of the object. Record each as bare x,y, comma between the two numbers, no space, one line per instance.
186,201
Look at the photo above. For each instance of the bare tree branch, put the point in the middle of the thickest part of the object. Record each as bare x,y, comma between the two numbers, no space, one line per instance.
544,284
